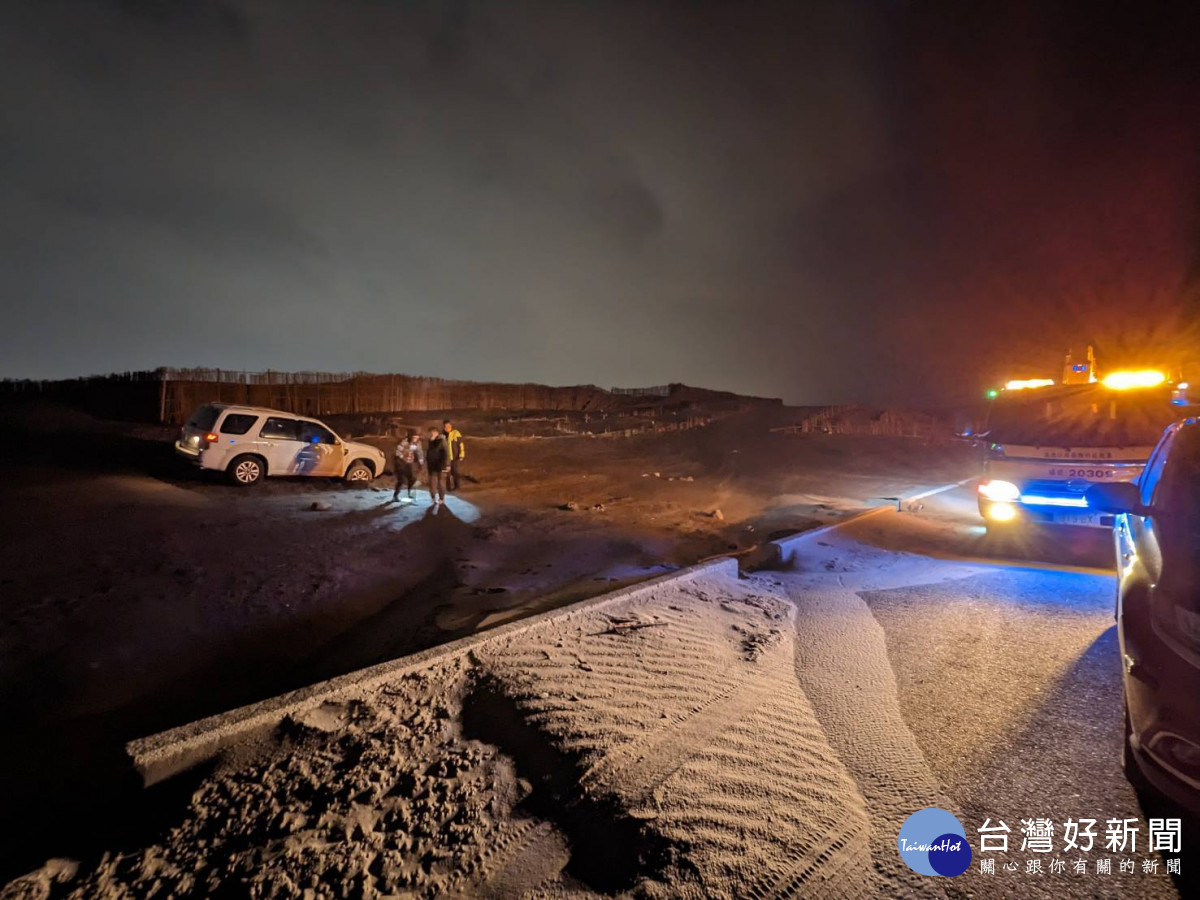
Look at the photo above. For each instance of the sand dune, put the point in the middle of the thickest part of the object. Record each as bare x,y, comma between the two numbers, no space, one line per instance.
605,752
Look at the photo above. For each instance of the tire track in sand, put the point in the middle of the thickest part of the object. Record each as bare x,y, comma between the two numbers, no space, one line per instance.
721,753
843,667
847,855
528,853
636,768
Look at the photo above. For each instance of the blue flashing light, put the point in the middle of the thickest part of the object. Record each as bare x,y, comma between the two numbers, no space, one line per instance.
1041,500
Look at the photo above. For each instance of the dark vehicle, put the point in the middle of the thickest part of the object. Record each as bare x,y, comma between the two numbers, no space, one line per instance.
1157,536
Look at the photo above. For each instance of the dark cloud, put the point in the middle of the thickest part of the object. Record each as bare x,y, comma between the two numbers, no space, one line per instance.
199,216
224,19
820,201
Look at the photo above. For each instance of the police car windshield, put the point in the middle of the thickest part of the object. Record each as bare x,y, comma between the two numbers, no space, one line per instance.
1087,415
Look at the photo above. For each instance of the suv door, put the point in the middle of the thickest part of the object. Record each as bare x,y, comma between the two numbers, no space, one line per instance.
322,453
1176,518
1138,562
279,439
1161,615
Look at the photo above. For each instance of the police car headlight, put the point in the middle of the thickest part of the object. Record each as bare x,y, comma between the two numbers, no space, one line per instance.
1001,512
1001,491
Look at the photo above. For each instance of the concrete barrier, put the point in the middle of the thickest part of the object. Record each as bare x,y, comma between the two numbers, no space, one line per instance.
785,550
162,755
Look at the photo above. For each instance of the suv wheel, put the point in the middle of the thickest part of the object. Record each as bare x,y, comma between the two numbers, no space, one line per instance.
359,472
1133,772
246,470
1128,763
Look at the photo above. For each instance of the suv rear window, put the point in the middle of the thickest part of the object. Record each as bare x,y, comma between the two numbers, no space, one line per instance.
237,423
204,418
280,429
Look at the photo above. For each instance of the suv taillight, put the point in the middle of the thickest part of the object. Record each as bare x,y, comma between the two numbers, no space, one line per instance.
211,437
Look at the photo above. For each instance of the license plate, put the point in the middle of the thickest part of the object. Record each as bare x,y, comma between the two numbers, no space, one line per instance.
1089,473
1076,519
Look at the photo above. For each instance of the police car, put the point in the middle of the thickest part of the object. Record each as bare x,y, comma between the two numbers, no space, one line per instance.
1049,442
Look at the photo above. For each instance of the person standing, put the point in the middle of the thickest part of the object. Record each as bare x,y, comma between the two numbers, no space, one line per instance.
458,451
409,459
437,464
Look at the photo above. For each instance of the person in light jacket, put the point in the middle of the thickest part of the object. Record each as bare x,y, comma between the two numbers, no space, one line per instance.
409,459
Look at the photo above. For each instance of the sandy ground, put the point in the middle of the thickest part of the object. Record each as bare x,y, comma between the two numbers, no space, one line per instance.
762,736
138,596
618,751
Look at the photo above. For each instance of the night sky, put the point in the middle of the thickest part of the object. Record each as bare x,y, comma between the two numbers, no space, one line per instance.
887,202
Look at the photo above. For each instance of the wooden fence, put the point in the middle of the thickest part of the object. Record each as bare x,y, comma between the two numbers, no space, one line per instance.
659,390
131,396
854,419
169,395
322,393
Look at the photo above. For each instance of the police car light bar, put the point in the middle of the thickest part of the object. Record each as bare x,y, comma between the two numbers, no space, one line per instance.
1142,378
1025,384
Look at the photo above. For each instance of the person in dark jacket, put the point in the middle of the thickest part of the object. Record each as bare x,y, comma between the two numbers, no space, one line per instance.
437,464
408,461
458,451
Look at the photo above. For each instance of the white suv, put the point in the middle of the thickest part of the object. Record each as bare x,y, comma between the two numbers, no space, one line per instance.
249,443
